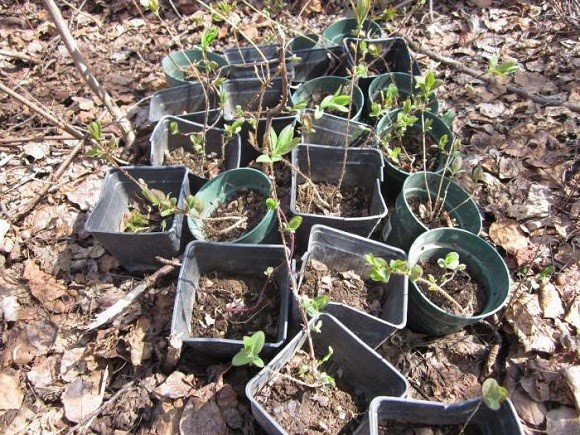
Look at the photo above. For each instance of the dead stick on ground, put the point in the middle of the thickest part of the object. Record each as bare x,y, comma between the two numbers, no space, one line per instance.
123,303
20,56
87,75
575,107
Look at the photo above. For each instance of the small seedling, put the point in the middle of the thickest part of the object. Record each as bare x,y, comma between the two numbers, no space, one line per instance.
312,307
279,145
293,224
492,395
196,139
337,102
501,69
319,378
136,222
249,354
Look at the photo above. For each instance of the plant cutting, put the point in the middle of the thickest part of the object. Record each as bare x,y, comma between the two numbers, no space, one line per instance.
205,150
452,254
427,201
395,415
227,291
287,398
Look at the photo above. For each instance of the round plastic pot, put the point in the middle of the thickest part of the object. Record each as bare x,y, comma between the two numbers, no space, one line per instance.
504,421
363,368
182,100
405,226
176,63
394,176
304,42
346,27
327,86
163,141
223,187
333,130
343,252
484,264
405,83
137,251
325,164
201,258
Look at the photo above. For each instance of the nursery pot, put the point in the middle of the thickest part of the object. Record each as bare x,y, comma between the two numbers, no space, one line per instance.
222,188
343,252
255,62
366,371
163,141
202,258
176,63
311,61
327,86
404,82
325,164
137,251
419,412
405,226
336,131
248,93
183,100
394,176
484,264
346,27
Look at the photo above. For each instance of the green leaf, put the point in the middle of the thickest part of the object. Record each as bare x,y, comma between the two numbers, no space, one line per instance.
264,158
286,141
208,36
326,357
95,152
321,301
415,273
271,203
493,394
152,5
293,225
448,117
241,358
173,128
95,130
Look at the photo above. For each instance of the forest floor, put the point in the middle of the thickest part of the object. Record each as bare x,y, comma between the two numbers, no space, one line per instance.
54,277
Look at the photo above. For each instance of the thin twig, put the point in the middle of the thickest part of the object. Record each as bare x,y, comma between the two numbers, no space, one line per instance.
21,56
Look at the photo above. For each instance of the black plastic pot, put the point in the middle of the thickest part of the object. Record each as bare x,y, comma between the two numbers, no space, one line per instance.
328,85
364,369
137,251
248,93
394,176
484,264
175,65
259,62
222,188
163,141
343,252
183,100
504,421
346,27
404,226
336,131
311,61
324,164
204,257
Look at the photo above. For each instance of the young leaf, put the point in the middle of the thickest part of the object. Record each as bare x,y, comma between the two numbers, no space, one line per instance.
286,141
293,225
493,394
326,357
95,130
271,204
208,36
264,158
173,128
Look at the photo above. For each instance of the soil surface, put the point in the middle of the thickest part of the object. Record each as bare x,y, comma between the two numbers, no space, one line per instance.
232,219
400,428
420,209
204,165
470,295
302,409
234,305
348,202
142,217
342,287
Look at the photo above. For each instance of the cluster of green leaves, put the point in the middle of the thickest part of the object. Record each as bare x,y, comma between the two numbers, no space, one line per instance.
364,50
406,119
250,353
223,10
102,149
197,139
493,394
361,10
279,145
136,222
389,100
337,102
501,69
320,377
313,307
151,5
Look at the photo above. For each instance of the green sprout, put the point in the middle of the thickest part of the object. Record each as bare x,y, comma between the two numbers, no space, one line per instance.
501,69
337,102
249,354
279,145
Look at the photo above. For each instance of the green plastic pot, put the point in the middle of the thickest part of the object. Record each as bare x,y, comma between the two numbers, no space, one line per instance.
404,82
405,226
220,189
175,64
304,42
484,265
327,86
346,27
393,175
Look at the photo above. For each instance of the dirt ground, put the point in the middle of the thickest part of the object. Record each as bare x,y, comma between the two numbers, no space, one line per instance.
56,376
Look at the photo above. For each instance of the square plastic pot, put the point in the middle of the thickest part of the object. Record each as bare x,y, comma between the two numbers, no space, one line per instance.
335,131
204,257
183,100
342,252
249,153
163,141
247,94
325,164
318,62
137,251
255,62
488,422
365,369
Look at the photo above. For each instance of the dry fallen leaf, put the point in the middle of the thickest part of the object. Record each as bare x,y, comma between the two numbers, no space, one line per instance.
562,420
175,386
206,419
11,395
506,233
136,341
550,300
83,396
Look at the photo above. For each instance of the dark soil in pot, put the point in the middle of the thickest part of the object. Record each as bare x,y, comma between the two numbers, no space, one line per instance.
468,293
207,164
350,201
411,156
302,409
342,287
402,428
233,305
142,217
440,219
239,214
